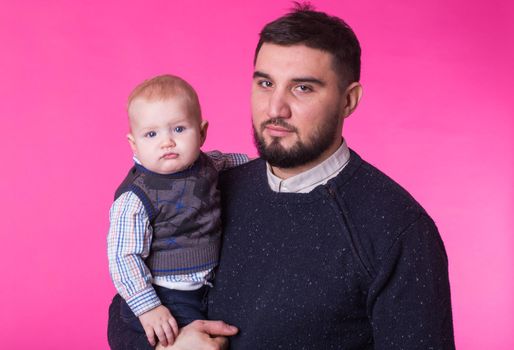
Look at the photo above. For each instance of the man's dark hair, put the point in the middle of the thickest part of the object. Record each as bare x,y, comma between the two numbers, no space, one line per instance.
317,30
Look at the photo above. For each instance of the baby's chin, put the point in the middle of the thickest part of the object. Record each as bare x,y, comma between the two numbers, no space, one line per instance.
173,170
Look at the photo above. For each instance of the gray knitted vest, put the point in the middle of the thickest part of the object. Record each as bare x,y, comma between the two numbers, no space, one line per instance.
184,212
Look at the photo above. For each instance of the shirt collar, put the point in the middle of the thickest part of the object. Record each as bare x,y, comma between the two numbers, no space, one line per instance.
308,180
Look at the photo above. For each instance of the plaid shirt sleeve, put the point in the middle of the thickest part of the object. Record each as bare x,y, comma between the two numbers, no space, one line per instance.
128,244
224,161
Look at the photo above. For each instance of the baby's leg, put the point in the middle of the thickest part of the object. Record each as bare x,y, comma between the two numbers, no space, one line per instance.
185,306
129,318
120,335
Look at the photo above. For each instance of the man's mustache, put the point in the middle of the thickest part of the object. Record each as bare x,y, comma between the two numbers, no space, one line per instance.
278,122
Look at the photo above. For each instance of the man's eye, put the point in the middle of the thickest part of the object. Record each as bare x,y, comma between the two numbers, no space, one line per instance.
151,134
304,88
179,129
265,83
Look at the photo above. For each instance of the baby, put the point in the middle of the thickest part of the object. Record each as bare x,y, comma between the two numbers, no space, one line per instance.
165,227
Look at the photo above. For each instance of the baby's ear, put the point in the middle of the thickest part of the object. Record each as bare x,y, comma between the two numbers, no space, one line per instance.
204,125
131,142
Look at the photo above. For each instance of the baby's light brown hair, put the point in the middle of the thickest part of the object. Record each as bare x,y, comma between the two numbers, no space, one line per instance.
163,87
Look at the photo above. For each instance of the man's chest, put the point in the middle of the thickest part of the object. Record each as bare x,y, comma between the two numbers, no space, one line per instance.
290,266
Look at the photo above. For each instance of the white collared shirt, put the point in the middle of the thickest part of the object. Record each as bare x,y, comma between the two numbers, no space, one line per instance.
308,180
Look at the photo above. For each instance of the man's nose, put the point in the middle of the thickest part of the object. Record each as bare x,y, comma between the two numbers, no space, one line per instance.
279,105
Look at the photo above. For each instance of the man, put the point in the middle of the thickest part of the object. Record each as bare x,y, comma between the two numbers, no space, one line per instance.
320,250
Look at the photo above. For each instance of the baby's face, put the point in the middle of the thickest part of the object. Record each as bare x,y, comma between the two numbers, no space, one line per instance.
164,136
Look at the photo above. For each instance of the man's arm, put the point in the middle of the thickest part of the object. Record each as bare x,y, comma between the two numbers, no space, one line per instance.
202,335
198,335
409,300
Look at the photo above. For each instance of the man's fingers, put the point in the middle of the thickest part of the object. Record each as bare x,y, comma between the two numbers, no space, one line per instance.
222,342
215,328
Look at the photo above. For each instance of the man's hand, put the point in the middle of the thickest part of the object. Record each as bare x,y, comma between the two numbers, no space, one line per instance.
159,322
202,335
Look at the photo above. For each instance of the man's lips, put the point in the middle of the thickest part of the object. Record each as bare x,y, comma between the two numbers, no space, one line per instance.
170,156
277,131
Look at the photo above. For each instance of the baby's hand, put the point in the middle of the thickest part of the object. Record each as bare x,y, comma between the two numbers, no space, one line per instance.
159,322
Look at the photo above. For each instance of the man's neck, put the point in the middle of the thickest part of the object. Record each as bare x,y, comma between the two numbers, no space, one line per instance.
285,173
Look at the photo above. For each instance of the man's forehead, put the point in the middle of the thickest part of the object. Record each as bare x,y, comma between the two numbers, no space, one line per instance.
294,61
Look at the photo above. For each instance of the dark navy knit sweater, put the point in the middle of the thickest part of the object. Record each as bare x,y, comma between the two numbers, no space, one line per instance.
354,264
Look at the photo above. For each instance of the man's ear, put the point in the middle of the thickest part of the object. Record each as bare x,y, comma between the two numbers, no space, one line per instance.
204,125
352,96
131,142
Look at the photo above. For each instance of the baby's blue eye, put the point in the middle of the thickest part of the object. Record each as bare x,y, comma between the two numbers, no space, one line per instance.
179,129
151,134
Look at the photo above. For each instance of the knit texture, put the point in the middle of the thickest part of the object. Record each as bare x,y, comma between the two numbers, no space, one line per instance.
184,213
354,264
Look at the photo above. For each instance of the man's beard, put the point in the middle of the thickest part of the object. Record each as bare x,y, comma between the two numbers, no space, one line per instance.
301,152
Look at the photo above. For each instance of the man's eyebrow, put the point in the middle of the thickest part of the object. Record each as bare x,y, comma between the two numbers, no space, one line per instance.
258,74
309,80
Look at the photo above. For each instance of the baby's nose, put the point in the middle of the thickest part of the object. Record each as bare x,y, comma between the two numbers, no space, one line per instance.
168,142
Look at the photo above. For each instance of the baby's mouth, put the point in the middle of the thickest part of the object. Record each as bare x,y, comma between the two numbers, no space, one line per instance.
170,156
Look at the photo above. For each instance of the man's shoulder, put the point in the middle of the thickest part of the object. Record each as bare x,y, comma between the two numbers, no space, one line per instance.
243,174
369,185
379,210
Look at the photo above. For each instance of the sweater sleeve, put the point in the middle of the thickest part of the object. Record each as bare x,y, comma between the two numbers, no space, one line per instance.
409,299
128,244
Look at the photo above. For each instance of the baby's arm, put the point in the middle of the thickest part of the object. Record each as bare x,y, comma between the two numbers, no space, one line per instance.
128,243
159,322
224,161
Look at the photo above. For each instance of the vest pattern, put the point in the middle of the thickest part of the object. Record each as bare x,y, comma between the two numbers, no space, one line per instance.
184,213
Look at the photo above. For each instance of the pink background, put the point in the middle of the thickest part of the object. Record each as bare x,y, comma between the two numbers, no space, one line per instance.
437,116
